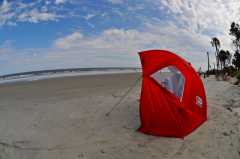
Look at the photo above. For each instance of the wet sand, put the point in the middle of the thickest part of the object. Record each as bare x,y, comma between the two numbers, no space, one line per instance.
64,118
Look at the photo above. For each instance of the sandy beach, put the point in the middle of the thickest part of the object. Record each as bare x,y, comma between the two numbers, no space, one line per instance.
64,118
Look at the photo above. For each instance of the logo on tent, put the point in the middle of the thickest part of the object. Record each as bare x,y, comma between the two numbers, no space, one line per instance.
199,101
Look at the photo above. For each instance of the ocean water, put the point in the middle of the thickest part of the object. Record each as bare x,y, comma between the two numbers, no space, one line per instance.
47,75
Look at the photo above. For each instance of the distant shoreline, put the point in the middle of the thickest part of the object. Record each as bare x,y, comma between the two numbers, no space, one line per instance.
69,70
57,73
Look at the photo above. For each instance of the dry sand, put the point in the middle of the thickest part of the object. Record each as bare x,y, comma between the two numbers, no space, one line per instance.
65,118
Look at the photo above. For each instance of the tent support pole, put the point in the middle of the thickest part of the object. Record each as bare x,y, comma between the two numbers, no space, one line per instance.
123,97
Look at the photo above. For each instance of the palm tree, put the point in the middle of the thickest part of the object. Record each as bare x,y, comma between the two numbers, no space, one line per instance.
236,60
216,44
224,58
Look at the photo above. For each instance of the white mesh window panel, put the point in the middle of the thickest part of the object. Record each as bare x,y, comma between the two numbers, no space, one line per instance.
171,79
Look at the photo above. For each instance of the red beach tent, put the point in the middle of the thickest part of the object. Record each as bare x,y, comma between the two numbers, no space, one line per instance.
173,101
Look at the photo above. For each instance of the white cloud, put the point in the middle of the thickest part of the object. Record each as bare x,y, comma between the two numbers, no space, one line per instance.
69,41
35,16
204,17
60,1
89,16
12,12
116,1
126,43
5,13
5,7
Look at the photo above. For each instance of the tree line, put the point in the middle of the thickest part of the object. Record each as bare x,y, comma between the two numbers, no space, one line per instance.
224,58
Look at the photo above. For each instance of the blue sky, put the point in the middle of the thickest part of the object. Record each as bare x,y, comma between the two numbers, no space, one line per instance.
49,34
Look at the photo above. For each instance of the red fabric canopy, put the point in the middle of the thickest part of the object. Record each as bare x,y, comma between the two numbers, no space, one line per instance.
161,112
